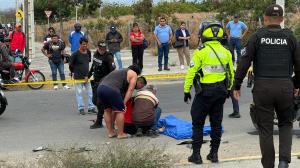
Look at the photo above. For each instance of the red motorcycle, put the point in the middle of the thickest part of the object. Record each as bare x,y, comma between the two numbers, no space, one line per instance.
30,75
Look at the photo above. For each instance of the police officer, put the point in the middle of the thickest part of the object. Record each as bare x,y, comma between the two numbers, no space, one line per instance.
215,65
275,55
103,64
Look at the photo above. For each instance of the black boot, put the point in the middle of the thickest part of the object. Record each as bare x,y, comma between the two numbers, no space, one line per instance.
235,114
213,157
97,124
166,68
283,164
195,157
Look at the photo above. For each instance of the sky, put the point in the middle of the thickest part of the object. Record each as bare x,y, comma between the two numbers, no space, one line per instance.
6,4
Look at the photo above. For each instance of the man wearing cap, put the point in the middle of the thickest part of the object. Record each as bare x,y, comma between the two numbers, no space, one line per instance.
236,30
276,56
114,40
75,37
103,64
18,39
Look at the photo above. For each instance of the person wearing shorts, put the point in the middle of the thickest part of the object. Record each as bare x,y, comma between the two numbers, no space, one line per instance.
113,92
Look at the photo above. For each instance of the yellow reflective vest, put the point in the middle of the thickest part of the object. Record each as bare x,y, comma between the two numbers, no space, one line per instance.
206,61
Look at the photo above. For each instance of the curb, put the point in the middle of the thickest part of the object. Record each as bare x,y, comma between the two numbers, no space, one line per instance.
234,159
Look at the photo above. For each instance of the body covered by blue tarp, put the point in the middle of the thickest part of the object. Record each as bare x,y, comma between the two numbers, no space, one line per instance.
178,128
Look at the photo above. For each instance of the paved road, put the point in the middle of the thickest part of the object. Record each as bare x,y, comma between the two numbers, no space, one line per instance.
47,117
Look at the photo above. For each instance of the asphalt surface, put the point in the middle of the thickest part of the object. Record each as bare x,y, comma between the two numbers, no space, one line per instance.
48,117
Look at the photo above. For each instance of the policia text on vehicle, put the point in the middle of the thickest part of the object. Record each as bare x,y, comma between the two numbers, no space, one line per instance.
275,54
213,63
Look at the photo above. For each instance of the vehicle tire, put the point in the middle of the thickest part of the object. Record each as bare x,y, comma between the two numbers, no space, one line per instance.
3,104
36,77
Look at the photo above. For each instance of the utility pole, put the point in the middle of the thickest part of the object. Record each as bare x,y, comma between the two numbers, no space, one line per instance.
26,25
282,4
76,8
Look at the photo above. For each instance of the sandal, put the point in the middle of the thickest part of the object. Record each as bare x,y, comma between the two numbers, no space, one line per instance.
112,136
124,137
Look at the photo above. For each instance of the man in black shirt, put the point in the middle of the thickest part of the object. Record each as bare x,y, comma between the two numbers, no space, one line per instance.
103,64
114,40
79,66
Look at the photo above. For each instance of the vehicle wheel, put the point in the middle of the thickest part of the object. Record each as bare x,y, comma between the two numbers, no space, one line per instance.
36,77
3,105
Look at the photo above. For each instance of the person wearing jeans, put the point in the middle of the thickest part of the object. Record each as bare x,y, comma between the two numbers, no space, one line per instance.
53,50
80,102
114,40
163,35
79,66
236,31
163,53
156,119
117,55
60,68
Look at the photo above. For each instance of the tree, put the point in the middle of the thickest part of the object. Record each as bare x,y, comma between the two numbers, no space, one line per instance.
64,8
143,9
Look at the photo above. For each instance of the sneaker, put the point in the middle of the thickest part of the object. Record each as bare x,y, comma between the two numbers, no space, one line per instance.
182,67
160,69
55,87
66,87
92,111
234,115
16,80
81,112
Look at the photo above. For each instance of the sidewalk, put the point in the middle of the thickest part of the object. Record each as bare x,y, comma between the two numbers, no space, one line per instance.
150,63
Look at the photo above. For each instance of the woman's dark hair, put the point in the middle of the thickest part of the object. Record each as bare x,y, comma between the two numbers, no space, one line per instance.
134,25
135,68
181,23
83,39
51,28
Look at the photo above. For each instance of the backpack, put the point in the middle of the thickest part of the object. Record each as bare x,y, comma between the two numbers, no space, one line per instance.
13,33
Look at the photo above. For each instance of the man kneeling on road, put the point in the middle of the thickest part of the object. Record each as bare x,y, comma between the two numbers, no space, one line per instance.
141,119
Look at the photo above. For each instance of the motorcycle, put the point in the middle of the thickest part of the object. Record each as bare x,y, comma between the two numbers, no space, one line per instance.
30,75
3,100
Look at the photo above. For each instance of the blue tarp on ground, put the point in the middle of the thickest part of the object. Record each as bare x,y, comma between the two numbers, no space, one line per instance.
178,128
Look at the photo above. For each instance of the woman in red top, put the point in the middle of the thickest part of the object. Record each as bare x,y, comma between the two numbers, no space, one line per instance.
137,45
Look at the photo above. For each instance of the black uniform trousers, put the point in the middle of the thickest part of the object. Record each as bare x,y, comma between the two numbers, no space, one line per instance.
97,102
209,102
270,95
